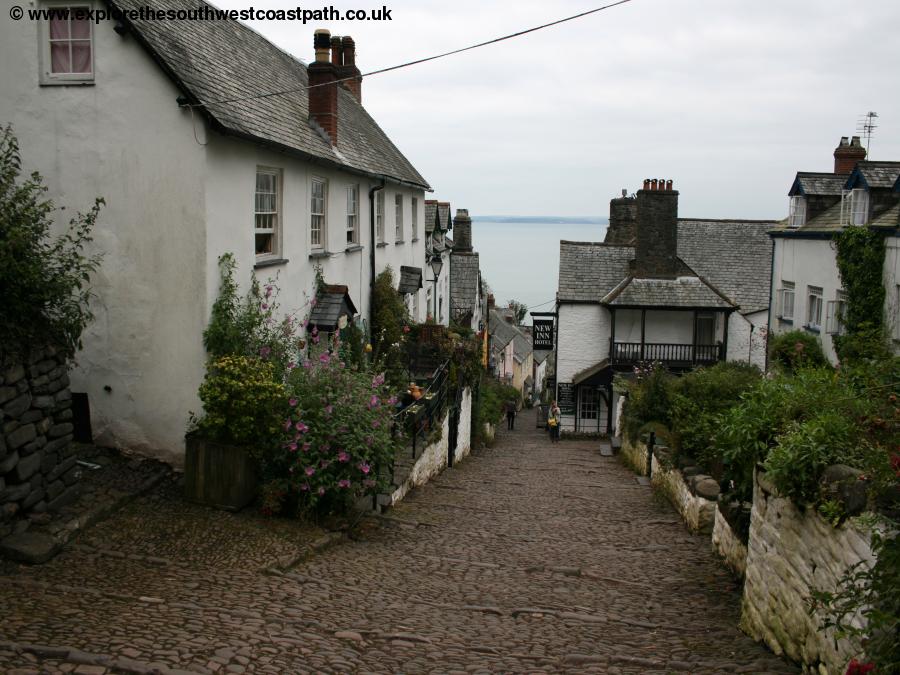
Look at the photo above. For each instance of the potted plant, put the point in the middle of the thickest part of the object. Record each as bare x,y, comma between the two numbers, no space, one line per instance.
243,407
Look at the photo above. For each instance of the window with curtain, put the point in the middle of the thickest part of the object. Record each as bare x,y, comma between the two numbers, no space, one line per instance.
68,50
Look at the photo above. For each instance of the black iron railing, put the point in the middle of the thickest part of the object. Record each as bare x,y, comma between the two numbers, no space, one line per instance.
667,353
418,418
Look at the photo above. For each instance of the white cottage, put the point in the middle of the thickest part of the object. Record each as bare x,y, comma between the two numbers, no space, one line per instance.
438,247
682,292
807,292
203,138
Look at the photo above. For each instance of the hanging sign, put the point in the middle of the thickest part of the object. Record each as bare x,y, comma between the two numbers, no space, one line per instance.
543,334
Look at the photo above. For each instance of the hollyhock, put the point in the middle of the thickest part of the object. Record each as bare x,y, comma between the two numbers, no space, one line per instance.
292,402
364,467
343,483
310,470
321,491
343,456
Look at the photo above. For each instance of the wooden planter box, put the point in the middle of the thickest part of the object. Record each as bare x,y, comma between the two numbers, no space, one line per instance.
218,475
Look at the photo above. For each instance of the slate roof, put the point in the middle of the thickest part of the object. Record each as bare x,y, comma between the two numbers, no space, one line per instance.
464,271
686,292
331,304
829,221
521,346
430,214
216,60
810,183
735,257
410,279
541,354
445,220
875,174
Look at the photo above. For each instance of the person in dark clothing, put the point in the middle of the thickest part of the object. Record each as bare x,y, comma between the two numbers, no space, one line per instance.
510,415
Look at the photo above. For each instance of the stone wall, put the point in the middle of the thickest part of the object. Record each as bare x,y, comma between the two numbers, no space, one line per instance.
464,434
791,552
728,546
697,512
634,455
37,465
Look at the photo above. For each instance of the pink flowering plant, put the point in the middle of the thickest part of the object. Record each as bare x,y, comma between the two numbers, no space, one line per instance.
338,437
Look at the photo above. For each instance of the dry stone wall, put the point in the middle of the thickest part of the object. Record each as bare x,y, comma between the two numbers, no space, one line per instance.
38,471
790,552
697,512
728,545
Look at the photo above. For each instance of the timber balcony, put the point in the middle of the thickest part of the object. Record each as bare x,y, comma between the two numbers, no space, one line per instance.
672,355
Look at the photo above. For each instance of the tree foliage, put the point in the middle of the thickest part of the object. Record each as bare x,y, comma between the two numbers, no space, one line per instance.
45,280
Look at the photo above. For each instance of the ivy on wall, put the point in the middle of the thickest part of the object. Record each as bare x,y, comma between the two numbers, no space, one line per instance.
860,260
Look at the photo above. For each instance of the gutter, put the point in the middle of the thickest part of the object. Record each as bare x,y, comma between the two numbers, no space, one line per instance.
372,192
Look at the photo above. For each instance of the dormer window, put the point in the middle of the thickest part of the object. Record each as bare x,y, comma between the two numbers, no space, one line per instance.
798,211
859,206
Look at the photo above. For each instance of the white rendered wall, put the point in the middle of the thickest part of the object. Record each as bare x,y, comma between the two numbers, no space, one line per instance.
892,289
125,139
746,341
805,262
583,339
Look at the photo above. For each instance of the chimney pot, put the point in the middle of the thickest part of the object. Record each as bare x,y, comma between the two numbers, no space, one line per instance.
646,183
322,44
337,51
654,184
847,154
669,185
347,71
656,240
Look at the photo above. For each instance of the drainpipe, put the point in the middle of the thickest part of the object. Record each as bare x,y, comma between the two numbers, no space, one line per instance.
372,245
769,314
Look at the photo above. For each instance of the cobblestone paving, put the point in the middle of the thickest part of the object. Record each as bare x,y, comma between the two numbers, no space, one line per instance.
523,558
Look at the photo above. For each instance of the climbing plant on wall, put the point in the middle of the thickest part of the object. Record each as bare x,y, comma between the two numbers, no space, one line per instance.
860,260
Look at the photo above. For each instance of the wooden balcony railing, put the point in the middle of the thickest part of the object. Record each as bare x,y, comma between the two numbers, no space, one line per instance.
627,353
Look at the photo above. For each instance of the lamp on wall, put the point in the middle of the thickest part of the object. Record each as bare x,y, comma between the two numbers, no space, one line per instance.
437,265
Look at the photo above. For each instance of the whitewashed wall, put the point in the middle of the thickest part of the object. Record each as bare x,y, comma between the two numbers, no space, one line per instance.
746,341
805,262
125,139
174,204
583,338
464,434
661,326
892,287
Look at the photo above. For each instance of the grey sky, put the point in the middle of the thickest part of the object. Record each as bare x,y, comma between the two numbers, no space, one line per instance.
729,98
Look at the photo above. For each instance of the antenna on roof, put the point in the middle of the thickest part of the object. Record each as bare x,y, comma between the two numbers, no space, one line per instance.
865,126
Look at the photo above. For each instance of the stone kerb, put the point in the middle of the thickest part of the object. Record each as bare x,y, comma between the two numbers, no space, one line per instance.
791,552
38,471
694,497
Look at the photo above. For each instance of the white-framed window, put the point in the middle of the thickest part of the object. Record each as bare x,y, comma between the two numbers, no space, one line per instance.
786,301
353,214
589,408
318,213
835,314
415,218
267,211
398,217
859,206
379,216
67,44
813,307
798,211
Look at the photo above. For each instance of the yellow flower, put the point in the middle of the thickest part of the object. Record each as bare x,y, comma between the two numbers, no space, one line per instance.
368,348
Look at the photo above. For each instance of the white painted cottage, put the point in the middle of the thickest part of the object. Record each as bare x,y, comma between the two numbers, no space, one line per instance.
285,181
683,292
807,292
438,247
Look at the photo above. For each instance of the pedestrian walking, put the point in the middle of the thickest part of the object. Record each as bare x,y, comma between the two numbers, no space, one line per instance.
553,418
510,414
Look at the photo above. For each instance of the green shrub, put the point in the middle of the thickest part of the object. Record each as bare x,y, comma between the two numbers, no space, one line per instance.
494,395
795,350
649,399
800,455
389,319
45,282
697,402
242,403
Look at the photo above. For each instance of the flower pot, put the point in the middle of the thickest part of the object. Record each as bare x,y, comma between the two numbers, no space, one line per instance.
219,475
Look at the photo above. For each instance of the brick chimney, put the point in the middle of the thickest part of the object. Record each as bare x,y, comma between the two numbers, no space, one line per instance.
348,68
847,154
490,301
622,220
657,231
323,90
462,226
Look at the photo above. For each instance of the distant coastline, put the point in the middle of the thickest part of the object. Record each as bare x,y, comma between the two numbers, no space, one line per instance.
553,220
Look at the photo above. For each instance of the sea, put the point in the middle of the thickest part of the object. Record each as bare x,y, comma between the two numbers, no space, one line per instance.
519,255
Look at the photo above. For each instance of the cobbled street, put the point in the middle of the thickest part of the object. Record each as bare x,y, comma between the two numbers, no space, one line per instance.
525,557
